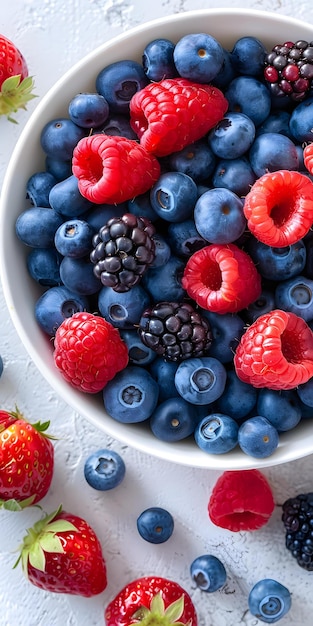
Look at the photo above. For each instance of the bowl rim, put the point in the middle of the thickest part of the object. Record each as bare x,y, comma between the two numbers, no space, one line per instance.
129,434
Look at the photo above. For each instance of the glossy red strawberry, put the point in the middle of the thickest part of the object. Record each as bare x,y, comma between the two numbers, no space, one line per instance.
174,112
62,553
15,84
241,500
26,461
151,601
89,351
113,169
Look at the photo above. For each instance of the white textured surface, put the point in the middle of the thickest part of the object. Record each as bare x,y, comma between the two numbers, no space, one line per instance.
53,35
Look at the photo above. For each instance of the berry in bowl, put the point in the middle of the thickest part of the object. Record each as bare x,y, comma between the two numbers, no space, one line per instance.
162,274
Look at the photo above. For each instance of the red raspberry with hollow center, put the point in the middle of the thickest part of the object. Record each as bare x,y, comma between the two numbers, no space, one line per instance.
241,500
275,352
221,278
279,208
113,169
174,112
89,351
308,157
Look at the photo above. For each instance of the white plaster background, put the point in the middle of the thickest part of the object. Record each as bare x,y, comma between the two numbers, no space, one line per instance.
54,34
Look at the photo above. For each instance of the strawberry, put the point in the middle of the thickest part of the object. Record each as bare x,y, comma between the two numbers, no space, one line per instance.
174,112
62,553
151,601
89,351
113,169
15,84
26,461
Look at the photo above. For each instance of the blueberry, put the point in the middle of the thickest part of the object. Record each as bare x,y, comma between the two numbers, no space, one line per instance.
164,372
301,121
74,238
208,572
296,295
216,433
77,275
118,82
238,398
219,216
226,73
66,199
123,310
104,469
281,408
198,57
38,188
142,207
165,281
1,366
197,160
276,122
226,331
248,56
200,380
59,137
232,136
174,419
138,353
98,215
119,126
264,303
36,226
174,196
162,251
88,110
43,265
59,168
246,94
184,238
269,600
271,152
158,59
155,525
277,263
236,175
55,305
131,396
257,437
305,393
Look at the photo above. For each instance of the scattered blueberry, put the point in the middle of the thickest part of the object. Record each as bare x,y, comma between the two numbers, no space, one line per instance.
155,525
104,469
208,572
269,600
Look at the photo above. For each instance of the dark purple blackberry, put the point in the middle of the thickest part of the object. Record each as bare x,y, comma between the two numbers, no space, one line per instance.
175,330
289,69
123,249
298,521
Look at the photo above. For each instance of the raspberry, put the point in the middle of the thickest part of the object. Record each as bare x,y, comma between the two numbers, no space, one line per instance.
289,69
297,518
112,169
308,157
123,250
89,351
241,500
170,114
175,331
279,208
275,352
221,278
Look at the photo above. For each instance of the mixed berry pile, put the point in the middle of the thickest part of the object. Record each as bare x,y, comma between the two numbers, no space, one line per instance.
176,207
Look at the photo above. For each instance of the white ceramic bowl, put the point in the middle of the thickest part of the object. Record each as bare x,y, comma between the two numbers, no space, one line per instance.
21,292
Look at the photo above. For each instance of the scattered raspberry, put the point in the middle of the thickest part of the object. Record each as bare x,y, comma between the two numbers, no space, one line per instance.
89,351
113,169
221,278
241,500
279,208
170,114
275,352
308,157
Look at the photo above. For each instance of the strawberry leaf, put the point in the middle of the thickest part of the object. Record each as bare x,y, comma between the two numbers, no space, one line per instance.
11,84
16,505
51,543
36,557
175,610
60,526
157,604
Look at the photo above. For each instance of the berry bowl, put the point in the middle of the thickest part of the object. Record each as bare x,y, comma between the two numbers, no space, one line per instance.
22,291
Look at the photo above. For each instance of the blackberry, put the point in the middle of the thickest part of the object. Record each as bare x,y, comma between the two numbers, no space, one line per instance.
123,249
175,330
289,69
298,521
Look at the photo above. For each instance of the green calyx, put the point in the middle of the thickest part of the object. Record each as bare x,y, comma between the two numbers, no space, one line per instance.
43,538
17,505
158,615
15,94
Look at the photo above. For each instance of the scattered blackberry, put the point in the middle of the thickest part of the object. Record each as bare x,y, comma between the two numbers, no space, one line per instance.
122,251
289,69
175,331
298,521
